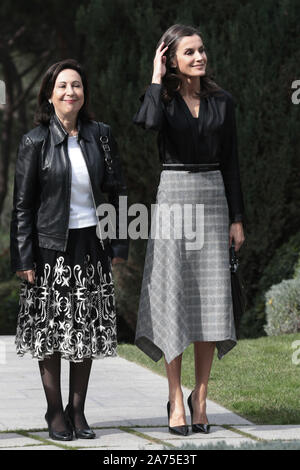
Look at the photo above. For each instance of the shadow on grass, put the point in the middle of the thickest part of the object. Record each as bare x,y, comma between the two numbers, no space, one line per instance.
268,415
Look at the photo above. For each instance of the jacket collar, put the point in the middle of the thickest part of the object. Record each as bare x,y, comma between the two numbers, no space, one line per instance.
59,133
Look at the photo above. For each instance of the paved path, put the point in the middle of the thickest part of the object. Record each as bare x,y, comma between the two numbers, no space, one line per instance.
126,406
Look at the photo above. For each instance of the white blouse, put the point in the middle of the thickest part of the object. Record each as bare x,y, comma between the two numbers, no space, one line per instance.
82,209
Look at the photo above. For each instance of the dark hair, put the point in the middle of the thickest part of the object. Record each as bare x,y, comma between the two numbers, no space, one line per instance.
44,109
171,80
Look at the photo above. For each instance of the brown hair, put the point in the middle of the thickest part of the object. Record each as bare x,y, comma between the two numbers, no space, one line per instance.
171,80
44,109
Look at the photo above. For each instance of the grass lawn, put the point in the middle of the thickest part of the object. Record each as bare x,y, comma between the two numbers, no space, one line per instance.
257,379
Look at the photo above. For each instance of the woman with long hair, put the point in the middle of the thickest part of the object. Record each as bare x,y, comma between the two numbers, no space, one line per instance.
67,304
186,290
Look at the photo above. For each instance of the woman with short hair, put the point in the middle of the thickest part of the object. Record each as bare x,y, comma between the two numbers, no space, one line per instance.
67,302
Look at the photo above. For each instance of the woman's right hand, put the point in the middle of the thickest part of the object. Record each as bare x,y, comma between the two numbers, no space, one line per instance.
159,64
27,275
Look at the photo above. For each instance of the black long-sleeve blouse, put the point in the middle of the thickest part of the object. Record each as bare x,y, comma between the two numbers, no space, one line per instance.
209,138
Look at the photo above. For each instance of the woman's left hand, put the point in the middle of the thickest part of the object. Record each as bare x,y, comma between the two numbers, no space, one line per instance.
117,261
236,234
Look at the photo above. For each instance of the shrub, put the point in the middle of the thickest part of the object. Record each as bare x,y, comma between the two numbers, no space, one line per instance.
285,264
5,271
297,269
9,306
283,308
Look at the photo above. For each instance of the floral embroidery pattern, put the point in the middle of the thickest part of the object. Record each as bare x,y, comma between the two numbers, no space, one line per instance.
71,310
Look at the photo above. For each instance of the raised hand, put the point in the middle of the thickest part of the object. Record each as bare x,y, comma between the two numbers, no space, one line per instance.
159,64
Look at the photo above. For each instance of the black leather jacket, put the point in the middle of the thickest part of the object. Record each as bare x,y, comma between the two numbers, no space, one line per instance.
42,189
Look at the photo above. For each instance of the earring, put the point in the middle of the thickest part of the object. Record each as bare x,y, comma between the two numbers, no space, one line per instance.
50,101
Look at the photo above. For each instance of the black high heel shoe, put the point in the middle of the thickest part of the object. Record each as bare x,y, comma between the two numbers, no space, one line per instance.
79,433
179,430
59,435
199,427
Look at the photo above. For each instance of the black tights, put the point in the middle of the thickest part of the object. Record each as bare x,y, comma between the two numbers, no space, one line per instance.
50,370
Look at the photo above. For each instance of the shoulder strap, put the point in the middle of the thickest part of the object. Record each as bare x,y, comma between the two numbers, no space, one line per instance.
104,142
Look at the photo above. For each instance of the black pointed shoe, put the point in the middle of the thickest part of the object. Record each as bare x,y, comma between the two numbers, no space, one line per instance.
179,430
199,427
87,433
59,435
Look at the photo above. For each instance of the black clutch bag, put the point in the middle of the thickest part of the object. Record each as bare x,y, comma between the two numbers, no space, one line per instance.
237,289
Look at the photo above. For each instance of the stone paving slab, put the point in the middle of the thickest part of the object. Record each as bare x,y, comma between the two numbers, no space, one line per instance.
15,440
231,441
121,393
273,432
110,439
148,447
42,447
115,439
216,432
105,438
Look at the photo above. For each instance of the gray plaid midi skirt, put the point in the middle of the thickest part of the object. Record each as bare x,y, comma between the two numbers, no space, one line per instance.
186,288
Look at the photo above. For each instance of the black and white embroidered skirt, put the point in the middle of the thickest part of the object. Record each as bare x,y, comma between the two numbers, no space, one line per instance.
186,288
70,308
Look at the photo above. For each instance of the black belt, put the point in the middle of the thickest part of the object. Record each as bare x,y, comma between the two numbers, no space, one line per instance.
191,166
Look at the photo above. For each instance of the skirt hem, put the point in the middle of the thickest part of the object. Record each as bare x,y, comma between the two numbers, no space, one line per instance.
157,352
64,355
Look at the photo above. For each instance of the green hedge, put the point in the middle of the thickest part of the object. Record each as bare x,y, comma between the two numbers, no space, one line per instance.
253,47
240,40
